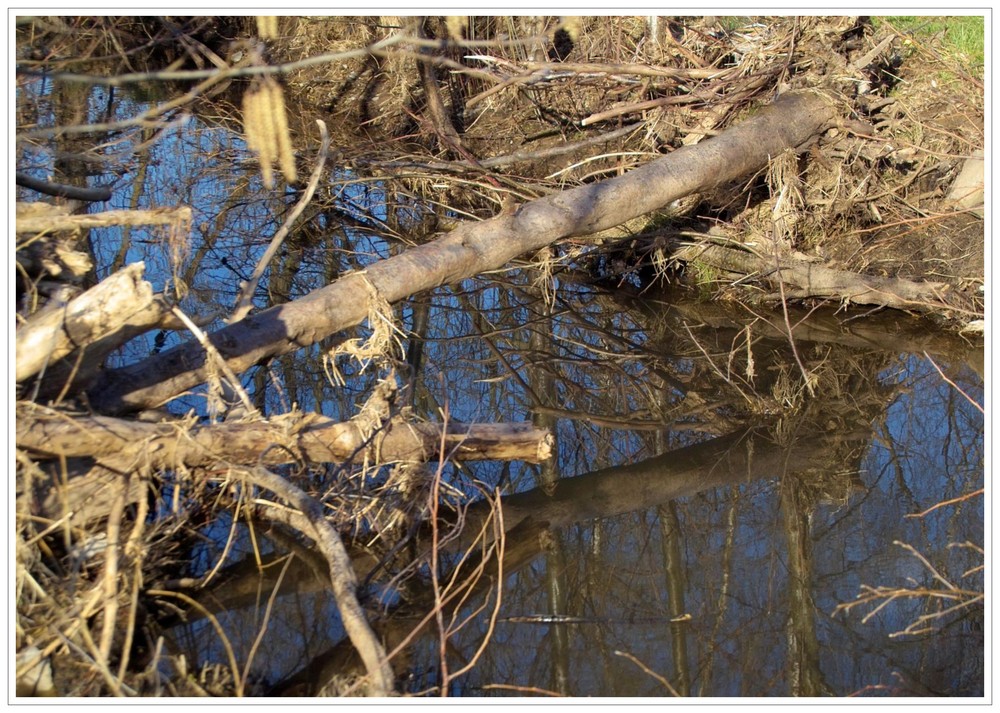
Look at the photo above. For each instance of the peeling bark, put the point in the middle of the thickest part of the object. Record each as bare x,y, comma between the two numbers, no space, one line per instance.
95,314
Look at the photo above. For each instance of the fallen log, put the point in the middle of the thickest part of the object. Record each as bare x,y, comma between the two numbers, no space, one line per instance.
93,315
470,249
289,438
805,279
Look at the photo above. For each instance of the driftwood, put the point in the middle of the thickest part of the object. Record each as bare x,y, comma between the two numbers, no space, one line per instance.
471,249
95,314
295,437
51,223
807,279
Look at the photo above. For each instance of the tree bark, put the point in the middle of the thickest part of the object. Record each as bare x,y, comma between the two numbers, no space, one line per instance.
308,437
98,312
472,248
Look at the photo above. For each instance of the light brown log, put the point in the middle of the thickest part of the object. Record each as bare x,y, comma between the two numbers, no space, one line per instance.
98,312
51,223
807,279
471,249
301,437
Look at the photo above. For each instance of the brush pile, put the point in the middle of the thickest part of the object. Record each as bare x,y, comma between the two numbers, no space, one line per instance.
456,120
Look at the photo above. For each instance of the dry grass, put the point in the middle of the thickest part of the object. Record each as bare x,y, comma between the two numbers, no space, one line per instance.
866,198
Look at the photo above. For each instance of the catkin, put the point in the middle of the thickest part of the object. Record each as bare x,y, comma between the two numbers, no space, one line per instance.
456,25
286,156
265,126
258,126
267,27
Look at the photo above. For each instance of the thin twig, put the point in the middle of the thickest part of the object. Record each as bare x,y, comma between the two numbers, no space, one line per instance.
775,237
912,550
244,302
118,688
500,541
213,356
237,680
932,508
521,689
434,497
267,618
649,671
110,579
377,48
953,384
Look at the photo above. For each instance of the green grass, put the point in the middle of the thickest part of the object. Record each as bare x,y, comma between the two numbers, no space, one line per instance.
962,36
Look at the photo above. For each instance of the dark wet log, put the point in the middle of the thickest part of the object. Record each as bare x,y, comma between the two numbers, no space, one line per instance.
471,249
61,190
283,439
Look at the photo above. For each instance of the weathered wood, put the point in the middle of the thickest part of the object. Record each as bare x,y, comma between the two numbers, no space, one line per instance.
93,315
807,279
471,249
51,223
299,437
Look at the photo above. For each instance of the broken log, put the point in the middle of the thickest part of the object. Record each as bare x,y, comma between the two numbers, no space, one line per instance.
470,249
93,315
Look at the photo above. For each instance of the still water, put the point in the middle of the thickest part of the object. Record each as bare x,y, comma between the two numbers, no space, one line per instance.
716,496
704,519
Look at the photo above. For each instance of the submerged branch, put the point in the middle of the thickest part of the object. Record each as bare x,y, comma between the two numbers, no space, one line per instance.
342,578
812,280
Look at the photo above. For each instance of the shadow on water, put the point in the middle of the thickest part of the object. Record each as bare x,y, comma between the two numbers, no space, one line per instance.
701,526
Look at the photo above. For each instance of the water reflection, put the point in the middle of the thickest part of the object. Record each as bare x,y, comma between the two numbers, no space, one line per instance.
715,496
701,552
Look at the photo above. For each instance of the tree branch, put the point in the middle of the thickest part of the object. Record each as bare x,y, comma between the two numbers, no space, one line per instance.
472,248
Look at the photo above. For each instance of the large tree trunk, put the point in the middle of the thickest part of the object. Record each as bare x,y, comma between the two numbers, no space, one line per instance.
473,248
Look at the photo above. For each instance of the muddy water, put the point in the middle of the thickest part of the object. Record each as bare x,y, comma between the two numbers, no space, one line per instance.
702,526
